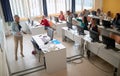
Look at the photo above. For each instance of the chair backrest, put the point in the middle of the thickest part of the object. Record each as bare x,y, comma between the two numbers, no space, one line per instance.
35,44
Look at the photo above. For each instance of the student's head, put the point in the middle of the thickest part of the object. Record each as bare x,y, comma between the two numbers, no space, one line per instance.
68,12
98,10
16,18
43,17
84,10
93,21
117,16
61,12
84,19
109,13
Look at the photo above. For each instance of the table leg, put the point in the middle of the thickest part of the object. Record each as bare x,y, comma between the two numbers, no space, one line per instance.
88,53
115,72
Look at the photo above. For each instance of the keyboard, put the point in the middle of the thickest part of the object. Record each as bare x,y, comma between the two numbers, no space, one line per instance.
44,40
118,29
116,49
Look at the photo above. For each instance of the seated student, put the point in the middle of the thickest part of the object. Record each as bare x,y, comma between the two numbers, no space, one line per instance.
108,16
116,20
45,22
61,16
93,26
69,17
85,22
99,12
83,13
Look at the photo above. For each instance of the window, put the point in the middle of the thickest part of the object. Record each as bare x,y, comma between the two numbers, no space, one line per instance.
55,6
60,6
32,8
26,8
78,5
51,6
83,4
68,5
88,4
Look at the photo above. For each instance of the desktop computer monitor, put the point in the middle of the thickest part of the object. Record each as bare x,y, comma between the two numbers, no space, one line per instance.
28,20
69,25
97,20
94,13
32,22
118,25
56,19
109,42
94,35
50,33
80,30
106,24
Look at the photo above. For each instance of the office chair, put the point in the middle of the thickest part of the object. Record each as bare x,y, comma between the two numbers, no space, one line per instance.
36,48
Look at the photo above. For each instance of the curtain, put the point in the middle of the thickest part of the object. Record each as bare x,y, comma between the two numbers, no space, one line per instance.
73,6
27,8
6,10
45,8
55,6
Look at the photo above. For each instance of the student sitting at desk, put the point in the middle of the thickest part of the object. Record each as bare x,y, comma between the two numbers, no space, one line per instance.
61,16
109,16
116,20
84,22
45,22
93,26
69,17
99,12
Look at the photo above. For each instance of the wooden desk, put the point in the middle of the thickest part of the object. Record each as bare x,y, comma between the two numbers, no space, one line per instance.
55,54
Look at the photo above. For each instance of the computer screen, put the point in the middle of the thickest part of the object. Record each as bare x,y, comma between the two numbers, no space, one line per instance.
56,19
109,42
106,24
118,25
94,13
28,20
80,30
69,25
50,33
97,21
94,35
32,22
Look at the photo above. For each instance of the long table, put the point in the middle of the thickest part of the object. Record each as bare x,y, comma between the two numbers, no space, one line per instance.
98,49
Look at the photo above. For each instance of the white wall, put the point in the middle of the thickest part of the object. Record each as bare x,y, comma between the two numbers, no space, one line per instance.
3,63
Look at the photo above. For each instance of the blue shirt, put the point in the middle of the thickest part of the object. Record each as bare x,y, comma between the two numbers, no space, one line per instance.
15,29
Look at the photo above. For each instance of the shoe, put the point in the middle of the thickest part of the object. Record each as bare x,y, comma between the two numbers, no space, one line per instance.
22,54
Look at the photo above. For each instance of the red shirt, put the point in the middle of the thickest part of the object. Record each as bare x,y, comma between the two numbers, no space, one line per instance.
61,17
45,22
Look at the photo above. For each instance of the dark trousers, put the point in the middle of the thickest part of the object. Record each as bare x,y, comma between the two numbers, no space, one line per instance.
46,27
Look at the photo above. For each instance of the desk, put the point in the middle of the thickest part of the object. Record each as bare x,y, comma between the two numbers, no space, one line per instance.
98,49
107,31
58,26
74,36
55,55
36,28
